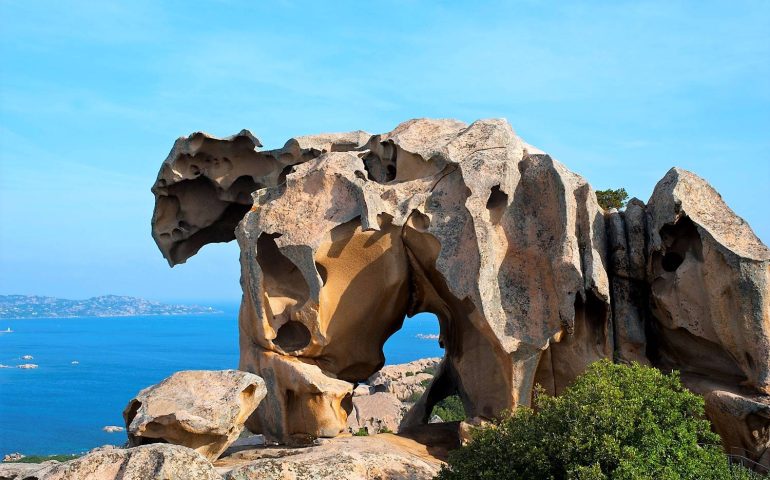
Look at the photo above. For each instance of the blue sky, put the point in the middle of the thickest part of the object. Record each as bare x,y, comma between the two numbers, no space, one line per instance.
93,94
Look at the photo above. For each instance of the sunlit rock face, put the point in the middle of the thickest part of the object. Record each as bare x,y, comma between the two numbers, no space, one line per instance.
342,235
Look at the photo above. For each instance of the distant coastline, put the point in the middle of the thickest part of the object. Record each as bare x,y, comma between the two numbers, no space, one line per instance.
26,307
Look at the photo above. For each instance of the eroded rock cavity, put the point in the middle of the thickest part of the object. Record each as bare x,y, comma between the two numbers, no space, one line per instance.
342,235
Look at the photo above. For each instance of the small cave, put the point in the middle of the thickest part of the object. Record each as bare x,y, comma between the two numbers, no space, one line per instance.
284,285
680,240
496,204
292,336
242,188
671,261
381,168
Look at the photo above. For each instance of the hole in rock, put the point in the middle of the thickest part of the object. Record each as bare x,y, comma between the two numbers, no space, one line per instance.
391,169
418,338
450,409
242,188
496,204
283,282
284,173
671,261
292,336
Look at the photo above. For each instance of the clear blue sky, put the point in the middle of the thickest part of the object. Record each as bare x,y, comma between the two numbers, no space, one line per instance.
94,93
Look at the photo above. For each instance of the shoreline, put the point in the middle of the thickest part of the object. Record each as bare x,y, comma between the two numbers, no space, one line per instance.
109,316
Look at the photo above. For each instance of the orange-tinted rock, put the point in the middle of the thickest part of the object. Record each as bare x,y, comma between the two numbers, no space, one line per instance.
201,409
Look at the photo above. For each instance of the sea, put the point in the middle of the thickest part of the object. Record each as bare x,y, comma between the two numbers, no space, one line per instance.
89,368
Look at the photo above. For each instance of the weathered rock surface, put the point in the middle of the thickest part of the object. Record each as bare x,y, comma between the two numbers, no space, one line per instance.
158,461
406,381
20,471
709,280
343,235
379,412
355,458
201,409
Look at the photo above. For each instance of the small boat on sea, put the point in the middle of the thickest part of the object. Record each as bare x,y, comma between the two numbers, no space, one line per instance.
7,330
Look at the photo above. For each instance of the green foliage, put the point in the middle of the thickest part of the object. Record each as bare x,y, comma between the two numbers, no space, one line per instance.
45,458
450,409
414,396
384,429
612,198
409,374
426,382
361,432
429,370
616,422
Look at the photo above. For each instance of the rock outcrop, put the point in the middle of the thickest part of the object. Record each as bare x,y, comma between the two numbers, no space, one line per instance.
343,235
201,409
378,412
353,458
406,381
158,461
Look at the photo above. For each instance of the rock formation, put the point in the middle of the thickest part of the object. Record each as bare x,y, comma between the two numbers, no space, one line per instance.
350,458
158,461
343,235
200,409
378,412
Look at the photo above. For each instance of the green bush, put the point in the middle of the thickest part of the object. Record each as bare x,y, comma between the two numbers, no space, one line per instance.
361,432
450,409
429,370
616,422
612,198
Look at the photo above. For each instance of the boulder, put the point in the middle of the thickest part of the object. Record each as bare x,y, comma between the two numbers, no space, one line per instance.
158,461
22,471
406,381
355,458
379,412
200,409
362,389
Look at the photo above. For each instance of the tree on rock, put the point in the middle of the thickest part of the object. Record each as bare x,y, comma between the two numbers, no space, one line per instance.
615,422
612,198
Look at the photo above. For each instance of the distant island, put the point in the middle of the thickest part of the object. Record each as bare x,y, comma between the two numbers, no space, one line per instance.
31,306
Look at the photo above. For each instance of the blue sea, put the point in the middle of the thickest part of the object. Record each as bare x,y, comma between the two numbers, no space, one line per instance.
61,407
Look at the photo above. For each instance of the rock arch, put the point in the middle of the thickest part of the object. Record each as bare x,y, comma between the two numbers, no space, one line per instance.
344,234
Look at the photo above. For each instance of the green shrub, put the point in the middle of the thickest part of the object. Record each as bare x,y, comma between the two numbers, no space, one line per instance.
450,409
616,422
361,432
612,198
409,374
429,370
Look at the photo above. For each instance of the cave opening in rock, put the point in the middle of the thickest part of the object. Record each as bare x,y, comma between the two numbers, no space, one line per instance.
671,261
292,336
417,338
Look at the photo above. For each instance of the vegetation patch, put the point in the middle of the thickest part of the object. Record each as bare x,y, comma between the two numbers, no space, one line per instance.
612,198
45,458
615,422
450,409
